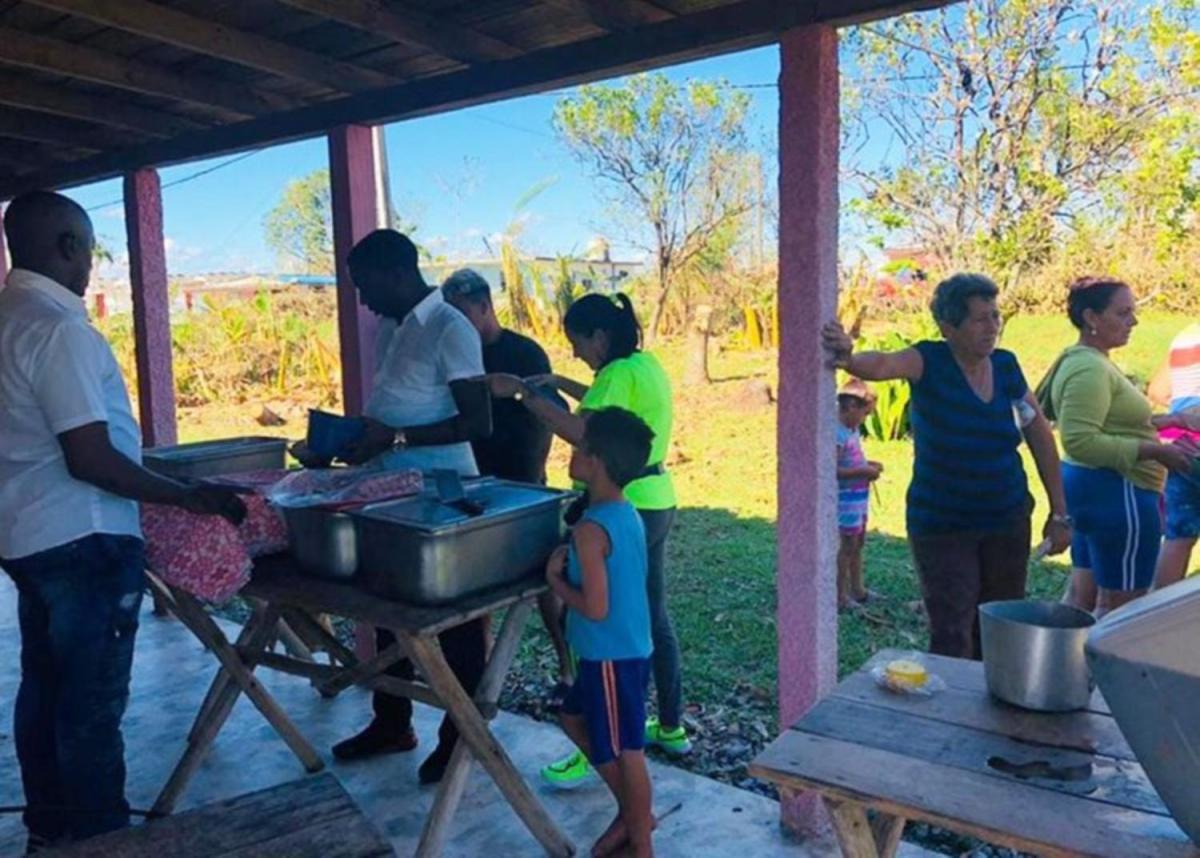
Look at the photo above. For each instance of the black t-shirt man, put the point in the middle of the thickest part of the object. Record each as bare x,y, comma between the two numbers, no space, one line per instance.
520,442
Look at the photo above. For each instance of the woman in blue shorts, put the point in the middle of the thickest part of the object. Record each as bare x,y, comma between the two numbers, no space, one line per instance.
1115,465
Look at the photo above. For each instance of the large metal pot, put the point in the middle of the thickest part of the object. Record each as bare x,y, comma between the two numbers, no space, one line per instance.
427,551
1033,654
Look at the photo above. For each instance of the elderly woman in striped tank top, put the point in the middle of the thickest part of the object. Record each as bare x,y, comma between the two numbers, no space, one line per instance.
969,509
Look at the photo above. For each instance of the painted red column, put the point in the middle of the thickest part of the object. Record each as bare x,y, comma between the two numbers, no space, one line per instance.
151,307
352,185
808,272
352,191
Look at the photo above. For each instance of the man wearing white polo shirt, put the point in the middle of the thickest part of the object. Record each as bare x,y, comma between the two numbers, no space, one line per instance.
70,479
426,406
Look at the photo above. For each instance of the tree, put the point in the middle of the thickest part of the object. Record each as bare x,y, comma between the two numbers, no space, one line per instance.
1022,125
676,156
300,226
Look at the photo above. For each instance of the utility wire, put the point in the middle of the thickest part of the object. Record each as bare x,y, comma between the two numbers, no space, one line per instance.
188,178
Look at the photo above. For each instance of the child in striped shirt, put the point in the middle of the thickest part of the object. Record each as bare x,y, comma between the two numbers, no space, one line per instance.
855,474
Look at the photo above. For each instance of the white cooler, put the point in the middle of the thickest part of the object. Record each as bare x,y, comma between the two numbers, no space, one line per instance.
1146,660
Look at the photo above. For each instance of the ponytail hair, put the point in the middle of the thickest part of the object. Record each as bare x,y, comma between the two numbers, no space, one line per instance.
614,316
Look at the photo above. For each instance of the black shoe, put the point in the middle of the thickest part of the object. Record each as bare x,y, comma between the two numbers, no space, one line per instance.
375,741
434,768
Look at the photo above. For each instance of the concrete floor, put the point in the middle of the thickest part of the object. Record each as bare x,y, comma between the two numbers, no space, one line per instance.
172,672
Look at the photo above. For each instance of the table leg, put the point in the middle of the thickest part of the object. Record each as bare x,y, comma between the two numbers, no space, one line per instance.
363,670
427,655
218,703
458,771
861,837
221,681
888,830
235,677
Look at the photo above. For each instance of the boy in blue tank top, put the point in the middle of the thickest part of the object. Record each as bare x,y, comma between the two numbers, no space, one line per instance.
601,578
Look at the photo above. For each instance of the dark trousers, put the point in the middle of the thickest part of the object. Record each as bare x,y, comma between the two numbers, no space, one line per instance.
465,648
961,571
78,608
668,686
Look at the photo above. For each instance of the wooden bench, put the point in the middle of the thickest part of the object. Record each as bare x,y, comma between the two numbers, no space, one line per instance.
1049,784
309,818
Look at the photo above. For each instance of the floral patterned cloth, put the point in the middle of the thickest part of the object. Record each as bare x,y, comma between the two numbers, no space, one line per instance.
207,556
211,558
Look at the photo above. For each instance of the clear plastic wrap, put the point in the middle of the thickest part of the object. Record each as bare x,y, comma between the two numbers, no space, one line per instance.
908,675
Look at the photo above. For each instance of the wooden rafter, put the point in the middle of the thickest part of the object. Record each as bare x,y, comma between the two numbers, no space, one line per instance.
21,155
737,26
38,128
411,27
16,91
213,39
29,50
613,15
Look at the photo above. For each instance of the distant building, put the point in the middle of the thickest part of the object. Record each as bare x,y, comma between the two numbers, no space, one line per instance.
113,297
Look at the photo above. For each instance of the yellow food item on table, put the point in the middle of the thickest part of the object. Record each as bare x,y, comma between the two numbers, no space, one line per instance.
907,672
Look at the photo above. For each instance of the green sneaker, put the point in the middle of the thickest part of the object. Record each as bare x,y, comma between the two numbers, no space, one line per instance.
674,742
568,772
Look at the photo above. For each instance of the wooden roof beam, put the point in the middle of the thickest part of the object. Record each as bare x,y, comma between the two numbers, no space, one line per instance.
28,50
614,15
209,38
16,91
411,27
38,128
746,24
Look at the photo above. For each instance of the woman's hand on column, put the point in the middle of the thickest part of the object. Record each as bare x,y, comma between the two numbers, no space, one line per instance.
838,344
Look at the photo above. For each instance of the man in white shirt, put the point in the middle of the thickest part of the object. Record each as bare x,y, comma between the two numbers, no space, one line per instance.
426,406
70,479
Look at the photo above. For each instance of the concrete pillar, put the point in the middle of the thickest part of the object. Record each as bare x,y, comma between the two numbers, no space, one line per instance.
352,168
151,307
808,251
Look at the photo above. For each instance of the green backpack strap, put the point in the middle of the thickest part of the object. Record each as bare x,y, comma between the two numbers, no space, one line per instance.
1042,392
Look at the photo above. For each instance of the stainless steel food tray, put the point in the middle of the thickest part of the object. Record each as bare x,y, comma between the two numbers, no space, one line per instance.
323,542
426,552
216,458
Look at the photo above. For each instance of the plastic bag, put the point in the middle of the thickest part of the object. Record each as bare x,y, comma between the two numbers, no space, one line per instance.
908,675
336,487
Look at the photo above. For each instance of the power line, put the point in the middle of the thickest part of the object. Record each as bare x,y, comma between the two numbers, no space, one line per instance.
183,180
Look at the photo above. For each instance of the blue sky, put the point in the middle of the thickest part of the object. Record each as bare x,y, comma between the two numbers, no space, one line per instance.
457,175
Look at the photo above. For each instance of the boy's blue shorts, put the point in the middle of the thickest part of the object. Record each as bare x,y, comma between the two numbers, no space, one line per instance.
611,698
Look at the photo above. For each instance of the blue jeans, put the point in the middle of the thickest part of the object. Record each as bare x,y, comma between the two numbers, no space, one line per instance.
78,607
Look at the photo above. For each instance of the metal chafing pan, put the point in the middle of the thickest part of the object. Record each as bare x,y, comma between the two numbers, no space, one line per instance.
216,458
322,541
427,551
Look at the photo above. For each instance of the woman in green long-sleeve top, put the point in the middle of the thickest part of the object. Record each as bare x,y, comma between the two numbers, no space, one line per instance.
1114,466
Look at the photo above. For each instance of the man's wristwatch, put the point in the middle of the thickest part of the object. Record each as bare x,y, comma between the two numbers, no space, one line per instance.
399,440
1064,520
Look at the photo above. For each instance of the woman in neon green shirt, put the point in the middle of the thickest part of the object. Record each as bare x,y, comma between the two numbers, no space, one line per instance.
605,334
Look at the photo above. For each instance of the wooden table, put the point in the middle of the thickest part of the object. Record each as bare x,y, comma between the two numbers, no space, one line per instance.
309,818
1059,785
283,594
